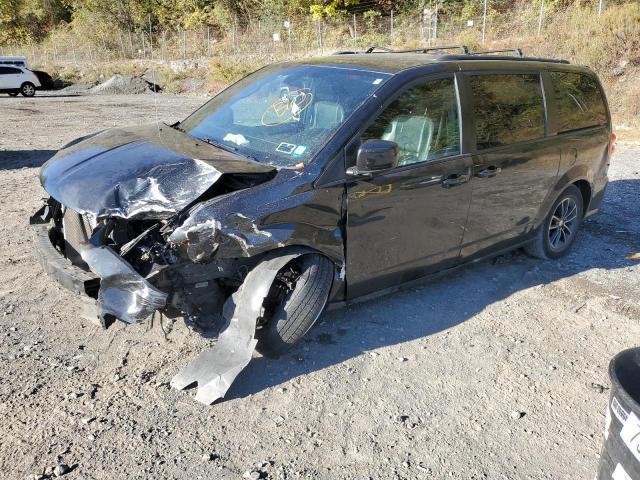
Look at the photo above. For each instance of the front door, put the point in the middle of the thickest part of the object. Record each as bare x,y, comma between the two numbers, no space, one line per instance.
409,221
7,77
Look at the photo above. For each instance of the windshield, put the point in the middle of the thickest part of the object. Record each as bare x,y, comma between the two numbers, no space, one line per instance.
282,115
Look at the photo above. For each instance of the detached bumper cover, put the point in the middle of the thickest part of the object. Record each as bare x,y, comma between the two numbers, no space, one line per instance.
124,293
121,291
54,264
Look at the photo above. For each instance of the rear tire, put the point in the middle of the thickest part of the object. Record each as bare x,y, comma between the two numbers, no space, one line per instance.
13,94
28,89
298,309
557,233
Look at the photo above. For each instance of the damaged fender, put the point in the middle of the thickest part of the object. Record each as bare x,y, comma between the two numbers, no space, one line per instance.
215,369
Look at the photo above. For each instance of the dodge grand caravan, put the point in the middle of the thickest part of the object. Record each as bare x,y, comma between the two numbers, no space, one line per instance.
326,181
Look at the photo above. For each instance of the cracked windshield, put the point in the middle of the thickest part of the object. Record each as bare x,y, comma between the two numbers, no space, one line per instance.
283,116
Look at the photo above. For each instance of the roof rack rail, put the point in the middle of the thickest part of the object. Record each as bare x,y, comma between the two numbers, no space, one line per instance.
373,48
464,48
517,51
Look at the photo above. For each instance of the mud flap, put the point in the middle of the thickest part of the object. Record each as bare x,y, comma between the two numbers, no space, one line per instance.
215,369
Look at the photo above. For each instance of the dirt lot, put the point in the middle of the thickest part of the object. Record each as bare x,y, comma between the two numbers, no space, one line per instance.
493,372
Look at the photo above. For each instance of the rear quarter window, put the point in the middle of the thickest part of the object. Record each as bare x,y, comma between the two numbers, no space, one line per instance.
579,101
508,109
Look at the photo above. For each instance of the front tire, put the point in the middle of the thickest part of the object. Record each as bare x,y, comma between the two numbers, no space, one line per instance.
560,228
300,293
28,89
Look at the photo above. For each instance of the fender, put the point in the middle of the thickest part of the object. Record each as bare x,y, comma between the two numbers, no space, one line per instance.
571,176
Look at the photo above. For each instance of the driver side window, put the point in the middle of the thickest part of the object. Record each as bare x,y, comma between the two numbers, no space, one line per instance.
423,121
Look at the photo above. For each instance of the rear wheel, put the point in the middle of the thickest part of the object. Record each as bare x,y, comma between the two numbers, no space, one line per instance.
13,94
295,301
558,231
28,89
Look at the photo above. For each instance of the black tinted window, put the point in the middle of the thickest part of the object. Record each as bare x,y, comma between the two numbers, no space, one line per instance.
579,102
423,121
8,71
508,109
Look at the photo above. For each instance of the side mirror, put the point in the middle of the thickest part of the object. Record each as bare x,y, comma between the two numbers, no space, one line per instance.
375,156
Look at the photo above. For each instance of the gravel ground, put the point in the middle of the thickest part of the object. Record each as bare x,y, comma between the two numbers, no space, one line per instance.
498,371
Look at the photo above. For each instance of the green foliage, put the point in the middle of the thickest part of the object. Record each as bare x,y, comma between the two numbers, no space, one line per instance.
30,20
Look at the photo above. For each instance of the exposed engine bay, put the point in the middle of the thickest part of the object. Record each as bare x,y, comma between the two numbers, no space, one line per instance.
144,266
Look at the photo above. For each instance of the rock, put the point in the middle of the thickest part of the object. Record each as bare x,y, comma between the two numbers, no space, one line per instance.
618,71
192,85
598,387
88,420
252,474
403,359
517,415
61,469
208,457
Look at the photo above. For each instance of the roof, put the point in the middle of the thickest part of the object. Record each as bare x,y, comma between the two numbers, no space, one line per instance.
391,61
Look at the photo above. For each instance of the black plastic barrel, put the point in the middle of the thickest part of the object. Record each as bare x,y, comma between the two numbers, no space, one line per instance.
620,459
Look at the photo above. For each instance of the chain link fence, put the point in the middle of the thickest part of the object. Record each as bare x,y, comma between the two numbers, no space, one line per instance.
276,38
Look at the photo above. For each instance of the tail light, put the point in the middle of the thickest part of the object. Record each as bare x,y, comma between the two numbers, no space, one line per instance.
612,143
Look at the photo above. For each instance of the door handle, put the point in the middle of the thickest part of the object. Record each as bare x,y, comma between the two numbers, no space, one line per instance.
454,179
490,171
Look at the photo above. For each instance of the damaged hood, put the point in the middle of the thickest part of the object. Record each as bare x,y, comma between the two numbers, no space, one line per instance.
147,172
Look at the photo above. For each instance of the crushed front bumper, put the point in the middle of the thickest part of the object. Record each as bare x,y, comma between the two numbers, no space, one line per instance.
115,291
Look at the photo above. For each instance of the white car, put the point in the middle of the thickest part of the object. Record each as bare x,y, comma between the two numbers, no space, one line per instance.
15,80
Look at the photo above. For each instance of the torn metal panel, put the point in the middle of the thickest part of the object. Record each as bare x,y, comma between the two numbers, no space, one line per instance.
148,172
237,236
215,369
124,294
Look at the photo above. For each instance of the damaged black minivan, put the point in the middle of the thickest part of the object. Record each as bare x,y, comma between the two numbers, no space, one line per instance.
364,171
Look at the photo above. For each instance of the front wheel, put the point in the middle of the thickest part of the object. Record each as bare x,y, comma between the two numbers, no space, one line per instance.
558,231
295,301
28,89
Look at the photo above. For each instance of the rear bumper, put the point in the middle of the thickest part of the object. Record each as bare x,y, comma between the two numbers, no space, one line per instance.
119,291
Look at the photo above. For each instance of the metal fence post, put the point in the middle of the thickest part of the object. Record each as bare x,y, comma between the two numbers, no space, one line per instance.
355,32
435,23
484,21
391,28
541,15
233,33
289,34
150,38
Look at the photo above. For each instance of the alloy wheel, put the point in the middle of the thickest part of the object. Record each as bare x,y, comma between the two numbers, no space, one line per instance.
562,227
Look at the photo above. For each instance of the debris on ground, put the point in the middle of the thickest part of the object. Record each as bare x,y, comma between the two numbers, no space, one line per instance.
61,469
517,415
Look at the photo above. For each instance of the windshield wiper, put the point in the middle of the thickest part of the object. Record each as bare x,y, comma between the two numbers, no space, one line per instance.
176,127
227,148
